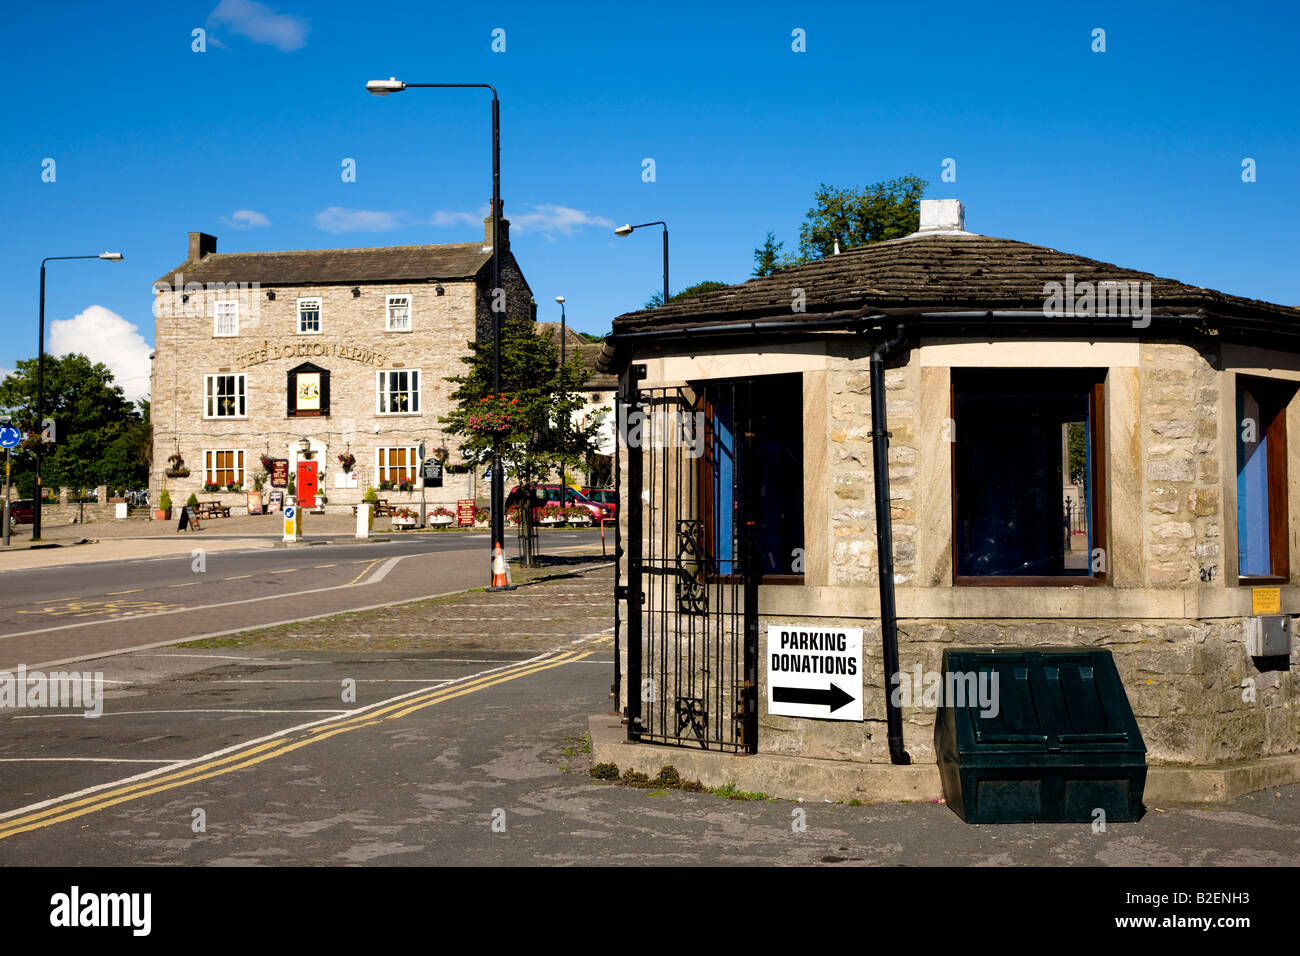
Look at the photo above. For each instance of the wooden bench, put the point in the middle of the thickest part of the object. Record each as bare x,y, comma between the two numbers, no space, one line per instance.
382,508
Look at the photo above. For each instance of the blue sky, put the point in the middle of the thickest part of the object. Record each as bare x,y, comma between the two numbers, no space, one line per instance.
1131,156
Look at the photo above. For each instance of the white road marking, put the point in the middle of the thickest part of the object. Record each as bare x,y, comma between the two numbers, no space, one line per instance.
197,710
79,760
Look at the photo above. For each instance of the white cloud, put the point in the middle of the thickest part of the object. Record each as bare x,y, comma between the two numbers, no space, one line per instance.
261,24
548,220
245,219
445,218
339,219
104,336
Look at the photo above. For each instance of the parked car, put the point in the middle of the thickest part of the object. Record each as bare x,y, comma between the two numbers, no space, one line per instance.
548,497
605,496
20,512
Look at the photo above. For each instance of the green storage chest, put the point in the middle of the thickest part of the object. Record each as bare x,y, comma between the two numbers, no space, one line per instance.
1056,741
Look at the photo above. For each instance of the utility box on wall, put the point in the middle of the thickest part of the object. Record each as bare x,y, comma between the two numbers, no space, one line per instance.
1269,635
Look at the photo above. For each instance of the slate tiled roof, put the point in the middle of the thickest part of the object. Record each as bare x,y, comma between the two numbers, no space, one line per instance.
931,273
571,338
590,353
459,260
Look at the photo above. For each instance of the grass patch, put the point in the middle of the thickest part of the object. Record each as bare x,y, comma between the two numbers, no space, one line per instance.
731,793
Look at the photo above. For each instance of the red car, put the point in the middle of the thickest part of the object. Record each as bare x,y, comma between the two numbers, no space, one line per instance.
604,496
549,497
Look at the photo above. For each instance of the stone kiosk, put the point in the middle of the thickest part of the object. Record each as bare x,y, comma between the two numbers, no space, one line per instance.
1079,455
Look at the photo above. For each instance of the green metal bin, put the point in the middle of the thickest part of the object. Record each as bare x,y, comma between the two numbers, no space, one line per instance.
1056,742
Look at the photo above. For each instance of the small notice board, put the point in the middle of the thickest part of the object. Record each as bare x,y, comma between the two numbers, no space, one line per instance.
465,513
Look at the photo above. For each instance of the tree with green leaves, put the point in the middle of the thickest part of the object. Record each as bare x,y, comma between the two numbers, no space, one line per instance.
534,415
852,217
101,438
690,292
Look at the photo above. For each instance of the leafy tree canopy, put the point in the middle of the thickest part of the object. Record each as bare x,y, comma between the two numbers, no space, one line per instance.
854,217
101,437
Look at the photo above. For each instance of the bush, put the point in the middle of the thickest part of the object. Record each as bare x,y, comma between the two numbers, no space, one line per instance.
635,779
192,501
605,771
165,501
370,496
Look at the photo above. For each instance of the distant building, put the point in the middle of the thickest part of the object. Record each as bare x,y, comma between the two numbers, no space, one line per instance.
347,348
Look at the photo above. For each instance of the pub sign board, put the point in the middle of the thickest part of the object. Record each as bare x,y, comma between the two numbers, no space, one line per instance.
279,472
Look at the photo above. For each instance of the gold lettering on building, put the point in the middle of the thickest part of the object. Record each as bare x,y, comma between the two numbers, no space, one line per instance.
269,352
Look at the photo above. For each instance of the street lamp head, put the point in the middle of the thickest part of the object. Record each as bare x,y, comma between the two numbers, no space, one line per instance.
384,87
624,230
111,256
560,299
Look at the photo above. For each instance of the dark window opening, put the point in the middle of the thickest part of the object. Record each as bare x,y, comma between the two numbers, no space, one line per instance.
1029,502
773,407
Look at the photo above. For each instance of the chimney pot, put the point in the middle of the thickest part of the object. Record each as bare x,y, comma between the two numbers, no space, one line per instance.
942,215
487,229
201,244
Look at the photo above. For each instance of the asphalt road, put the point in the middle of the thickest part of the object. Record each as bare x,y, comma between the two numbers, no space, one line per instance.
52,616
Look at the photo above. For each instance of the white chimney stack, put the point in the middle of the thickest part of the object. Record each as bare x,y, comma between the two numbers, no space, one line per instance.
942,216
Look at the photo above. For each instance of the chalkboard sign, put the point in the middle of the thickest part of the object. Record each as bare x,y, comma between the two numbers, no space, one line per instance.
432,473
274,502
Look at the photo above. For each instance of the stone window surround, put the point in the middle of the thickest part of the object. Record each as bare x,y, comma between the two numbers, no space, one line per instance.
209,393
928,369
320,317
417,391
410,311
210,468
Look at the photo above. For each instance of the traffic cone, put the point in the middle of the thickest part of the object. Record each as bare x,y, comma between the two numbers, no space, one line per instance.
500,570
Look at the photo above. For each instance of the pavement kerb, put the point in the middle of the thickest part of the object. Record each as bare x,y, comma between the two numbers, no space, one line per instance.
805,778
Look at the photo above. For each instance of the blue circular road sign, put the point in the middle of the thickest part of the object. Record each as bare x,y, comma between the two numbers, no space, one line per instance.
10,437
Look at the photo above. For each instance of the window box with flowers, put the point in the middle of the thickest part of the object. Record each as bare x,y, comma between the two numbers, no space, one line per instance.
210,488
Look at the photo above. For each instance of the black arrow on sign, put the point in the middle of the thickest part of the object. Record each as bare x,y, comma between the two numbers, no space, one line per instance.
833,697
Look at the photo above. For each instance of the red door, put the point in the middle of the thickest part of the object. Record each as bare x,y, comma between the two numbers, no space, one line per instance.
307,484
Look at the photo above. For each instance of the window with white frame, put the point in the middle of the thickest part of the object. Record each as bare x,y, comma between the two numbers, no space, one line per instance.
225,318
308,316
399,391
395,464
223,467
399,313
223,396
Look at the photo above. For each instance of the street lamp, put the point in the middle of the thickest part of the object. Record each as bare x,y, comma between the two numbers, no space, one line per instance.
394,85
40,381
626,230
564,483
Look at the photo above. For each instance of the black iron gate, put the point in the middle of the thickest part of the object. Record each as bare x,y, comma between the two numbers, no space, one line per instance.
692,597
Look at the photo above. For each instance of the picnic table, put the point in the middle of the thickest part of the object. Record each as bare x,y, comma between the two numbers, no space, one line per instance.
213,509
382,508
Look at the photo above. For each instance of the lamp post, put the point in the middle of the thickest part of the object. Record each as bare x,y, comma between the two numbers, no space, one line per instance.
40,381
394,85
564,475
628,230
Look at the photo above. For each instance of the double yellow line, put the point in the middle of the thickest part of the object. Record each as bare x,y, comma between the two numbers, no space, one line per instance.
253,755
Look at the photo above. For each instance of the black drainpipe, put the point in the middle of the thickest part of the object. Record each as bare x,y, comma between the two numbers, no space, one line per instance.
885,542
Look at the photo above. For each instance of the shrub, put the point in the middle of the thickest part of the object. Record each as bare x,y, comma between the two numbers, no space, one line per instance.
165,501
605,771
370,496
191,502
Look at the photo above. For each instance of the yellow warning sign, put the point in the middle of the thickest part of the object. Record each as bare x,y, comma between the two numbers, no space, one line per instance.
1265,600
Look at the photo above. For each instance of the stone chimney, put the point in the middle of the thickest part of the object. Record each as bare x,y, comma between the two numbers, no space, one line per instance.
942,216
201,244
487,229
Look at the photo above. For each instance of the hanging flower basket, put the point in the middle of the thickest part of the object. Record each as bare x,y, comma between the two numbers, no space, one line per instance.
348,461
493,415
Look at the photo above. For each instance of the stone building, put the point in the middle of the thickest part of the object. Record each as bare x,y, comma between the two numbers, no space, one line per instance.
1079,454
346,348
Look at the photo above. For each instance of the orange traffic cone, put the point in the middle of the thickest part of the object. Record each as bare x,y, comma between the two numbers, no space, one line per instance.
500,570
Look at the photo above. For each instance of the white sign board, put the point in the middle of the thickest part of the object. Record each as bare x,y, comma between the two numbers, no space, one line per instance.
814,672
